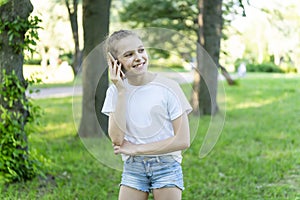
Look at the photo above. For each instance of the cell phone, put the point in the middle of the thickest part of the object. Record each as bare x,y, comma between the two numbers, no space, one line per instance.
122,68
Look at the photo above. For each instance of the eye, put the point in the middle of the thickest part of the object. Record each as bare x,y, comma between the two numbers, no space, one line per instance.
141,50
128,55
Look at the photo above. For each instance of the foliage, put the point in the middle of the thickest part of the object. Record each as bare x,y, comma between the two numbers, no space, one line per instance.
32,61
178,15
268,67
2,2
175,15
254,159
68,57
264,67
16,30
18,117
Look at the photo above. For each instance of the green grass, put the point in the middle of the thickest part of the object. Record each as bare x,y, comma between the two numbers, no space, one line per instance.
256,157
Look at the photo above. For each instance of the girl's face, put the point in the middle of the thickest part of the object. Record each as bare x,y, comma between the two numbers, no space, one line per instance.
132,55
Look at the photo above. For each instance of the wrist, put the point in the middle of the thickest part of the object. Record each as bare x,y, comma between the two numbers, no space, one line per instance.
121,91
137,149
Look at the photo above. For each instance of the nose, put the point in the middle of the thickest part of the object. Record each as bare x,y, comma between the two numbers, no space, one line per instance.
138,57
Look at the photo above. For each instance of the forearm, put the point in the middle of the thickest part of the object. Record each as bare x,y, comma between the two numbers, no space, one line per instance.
117,120
180,141
168,145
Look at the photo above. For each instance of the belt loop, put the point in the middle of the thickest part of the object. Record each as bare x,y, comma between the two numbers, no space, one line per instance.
130,159
157,159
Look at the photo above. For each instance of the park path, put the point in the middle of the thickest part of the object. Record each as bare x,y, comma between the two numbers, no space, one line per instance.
59,92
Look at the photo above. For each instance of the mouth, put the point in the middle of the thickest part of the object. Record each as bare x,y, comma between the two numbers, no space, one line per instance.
139,65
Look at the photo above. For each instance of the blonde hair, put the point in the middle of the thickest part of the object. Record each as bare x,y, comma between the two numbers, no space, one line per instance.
114,38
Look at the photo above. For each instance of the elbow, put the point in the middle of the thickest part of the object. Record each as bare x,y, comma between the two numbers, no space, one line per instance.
117,140
186,144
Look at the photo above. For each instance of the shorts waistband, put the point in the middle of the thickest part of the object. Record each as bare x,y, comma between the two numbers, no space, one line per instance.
157,159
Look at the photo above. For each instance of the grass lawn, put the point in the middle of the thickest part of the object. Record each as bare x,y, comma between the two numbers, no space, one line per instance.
256,157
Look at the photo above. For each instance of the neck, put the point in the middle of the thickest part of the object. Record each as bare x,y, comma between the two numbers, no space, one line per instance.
141,79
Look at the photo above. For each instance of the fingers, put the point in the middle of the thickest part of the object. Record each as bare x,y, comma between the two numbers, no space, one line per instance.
114,67
116,149
110,56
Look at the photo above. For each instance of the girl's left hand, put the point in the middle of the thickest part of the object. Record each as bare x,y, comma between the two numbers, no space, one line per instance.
126,148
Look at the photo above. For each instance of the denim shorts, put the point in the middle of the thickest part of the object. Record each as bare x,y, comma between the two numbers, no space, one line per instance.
146,173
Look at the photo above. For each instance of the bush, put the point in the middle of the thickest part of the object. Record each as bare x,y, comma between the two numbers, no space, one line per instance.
288,68
16,115
32,61
264,67
68,57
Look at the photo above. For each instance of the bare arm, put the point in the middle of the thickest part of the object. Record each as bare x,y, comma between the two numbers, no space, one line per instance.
180,141
117,119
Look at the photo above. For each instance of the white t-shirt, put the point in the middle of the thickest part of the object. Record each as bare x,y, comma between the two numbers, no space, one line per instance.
150,110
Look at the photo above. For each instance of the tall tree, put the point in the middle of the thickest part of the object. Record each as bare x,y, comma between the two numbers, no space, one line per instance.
209,36
10,57
72,6
188,18
94,70
17,33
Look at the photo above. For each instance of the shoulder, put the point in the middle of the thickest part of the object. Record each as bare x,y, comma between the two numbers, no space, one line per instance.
111,89
167,82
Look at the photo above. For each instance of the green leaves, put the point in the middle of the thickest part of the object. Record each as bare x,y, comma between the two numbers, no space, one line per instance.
16,30
17,117
2,2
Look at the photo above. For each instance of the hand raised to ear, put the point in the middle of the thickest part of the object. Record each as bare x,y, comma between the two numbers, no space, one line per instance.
116,74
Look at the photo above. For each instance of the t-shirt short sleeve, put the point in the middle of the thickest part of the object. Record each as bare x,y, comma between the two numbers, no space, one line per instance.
177,102
110,100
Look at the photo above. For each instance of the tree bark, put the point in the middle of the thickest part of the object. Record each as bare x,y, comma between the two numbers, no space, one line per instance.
9,59
12,59
209,37
72,10
94,67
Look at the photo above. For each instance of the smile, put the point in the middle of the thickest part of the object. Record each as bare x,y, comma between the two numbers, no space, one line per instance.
138,65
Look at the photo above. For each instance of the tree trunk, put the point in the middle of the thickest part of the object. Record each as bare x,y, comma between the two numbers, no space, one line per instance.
209,37
227,76
94,67
11,58
72,10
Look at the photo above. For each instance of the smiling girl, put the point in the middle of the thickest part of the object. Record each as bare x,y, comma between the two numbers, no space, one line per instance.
148,122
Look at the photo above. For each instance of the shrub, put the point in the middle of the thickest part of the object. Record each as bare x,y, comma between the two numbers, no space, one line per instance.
16,115
32,61
68,57
264,67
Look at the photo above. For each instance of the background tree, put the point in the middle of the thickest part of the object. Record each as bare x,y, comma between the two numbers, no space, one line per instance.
11,56
17,33
72,6
209,37
188,18
94,70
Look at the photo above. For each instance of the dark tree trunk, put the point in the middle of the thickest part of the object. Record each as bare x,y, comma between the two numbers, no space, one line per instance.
11,58
209,37
94,67
72,10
